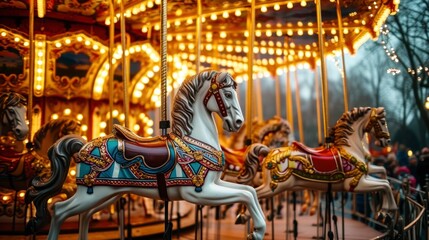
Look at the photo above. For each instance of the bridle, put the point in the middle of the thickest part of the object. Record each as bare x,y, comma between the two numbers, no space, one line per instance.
374,123
214,90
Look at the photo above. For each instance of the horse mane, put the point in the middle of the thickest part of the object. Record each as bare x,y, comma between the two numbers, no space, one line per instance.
11,99
343,128
61,127
182,112
265,132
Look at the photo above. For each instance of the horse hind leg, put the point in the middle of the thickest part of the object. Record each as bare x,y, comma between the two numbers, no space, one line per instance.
80,202
221,195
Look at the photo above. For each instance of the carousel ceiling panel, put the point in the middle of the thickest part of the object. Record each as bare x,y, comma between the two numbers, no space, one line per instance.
285,33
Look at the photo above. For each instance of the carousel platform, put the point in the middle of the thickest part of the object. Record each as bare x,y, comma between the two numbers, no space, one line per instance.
151,226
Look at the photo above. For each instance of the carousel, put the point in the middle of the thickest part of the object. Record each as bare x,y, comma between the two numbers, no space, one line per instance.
144,119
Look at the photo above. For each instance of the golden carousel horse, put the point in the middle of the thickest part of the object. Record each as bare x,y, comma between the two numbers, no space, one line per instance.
185,164
339,166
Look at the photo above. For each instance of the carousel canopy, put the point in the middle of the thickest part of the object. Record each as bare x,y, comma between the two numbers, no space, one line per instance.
72,40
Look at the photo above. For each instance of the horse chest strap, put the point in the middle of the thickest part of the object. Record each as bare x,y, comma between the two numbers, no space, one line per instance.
162,186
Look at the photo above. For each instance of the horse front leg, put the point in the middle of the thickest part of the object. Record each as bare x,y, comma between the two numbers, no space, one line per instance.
305,201
214,195
85,217
316,201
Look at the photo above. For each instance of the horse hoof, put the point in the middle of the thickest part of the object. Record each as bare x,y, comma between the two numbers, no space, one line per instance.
241,219
253,236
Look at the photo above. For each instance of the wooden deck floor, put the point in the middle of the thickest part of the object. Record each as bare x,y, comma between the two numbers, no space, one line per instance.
224,229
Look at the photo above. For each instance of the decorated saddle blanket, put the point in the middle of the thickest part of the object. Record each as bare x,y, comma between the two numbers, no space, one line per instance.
321,164
128,161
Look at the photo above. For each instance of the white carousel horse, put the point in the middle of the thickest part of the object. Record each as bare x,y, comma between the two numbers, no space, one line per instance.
13,112
185,164
340,165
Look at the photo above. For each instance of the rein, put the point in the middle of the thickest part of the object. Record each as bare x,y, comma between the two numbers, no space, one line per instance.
214,90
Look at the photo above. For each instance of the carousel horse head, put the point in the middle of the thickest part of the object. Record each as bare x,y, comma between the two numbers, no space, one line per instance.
361,121
13,115
210,91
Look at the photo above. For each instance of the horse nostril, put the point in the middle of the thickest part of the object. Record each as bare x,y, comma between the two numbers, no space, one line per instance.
239,122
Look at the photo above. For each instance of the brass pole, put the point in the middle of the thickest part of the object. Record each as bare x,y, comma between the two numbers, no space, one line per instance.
31,72
125,79
325,110
289,107
298,108
198,37
164,119
259,99
110,60
278,110
250,41
125,68
341,43
317,91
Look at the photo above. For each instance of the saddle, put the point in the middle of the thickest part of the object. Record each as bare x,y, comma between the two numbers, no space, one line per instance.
324,160
153,150
10,160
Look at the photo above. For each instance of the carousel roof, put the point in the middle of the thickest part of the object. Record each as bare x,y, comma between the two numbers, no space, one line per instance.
285,33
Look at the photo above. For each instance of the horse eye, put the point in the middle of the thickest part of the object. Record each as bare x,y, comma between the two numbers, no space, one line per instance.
228,95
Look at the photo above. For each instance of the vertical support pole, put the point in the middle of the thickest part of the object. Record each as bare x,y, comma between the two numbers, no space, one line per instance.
298,108
164,123
250,41
198,36
289,106
278,109
110,56
259,99
125,79
317,91
198,227
341,42
125,69
325,110
31,72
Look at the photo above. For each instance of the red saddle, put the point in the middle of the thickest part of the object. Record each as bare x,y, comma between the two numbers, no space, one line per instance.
234,157
324,160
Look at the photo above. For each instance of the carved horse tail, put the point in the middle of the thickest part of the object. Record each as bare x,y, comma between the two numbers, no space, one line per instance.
41,190
255,154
